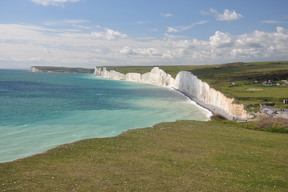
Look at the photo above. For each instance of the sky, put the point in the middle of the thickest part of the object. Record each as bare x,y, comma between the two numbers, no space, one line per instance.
89,33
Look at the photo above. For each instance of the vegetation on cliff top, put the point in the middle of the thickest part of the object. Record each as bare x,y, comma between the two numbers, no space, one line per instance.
54,69
179,156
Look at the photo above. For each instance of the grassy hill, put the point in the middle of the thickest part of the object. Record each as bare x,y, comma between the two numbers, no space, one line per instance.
242,81
180,156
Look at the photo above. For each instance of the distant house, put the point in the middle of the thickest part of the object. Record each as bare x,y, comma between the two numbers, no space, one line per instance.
285,101
269,83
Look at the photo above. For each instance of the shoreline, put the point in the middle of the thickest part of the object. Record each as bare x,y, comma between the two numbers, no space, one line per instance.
211,108
192,101
188,85
195,102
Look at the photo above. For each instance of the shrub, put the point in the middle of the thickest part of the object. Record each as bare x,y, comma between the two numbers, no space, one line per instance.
218,117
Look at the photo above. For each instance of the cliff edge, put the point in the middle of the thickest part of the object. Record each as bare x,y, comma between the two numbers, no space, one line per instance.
188,84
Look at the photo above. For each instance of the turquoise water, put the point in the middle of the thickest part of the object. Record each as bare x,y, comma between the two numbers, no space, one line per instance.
39,111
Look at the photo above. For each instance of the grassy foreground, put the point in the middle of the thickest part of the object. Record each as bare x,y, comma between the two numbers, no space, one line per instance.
179,156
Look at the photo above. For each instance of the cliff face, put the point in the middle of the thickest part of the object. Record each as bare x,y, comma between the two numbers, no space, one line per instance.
155,77
158,77
34,69
188,84
210,98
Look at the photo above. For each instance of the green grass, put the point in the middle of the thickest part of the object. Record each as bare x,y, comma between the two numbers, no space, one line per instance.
180,156
130,69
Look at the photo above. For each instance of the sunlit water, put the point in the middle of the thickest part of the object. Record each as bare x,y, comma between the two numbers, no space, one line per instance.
39,111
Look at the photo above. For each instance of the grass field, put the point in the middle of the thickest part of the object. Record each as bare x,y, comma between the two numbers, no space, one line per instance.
170,157
236,80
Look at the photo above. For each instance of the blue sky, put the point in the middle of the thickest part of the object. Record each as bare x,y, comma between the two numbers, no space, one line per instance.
87,33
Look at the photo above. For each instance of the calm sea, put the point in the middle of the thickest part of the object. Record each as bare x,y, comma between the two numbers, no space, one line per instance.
39,111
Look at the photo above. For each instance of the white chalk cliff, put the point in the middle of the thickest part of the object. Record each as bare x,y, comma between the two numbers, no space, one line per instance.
34,69
188,84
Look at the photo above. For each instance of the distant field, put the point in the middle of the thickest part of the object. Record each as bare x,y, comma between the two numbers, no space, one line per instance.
170,157
236,79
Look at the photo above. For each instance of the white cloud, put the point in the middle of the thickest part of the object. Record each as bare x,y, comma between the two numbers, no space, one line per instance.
26,45
139,51
109,34
167,15
183,28
53,2
168,36
77,25
172,30
221,40
281,30
271,22
227,15
65,22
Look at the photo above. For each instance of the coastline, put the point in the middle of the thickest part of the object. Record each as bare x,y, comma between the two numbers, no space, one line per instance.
208,110
158,115
187,84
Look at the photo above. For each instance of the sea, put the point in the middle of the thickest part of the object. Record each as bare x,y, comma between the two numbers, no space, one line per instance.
39,111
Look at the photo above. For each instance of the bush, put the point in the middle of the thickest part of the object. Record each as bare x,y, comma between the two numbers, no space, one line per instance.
218,117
